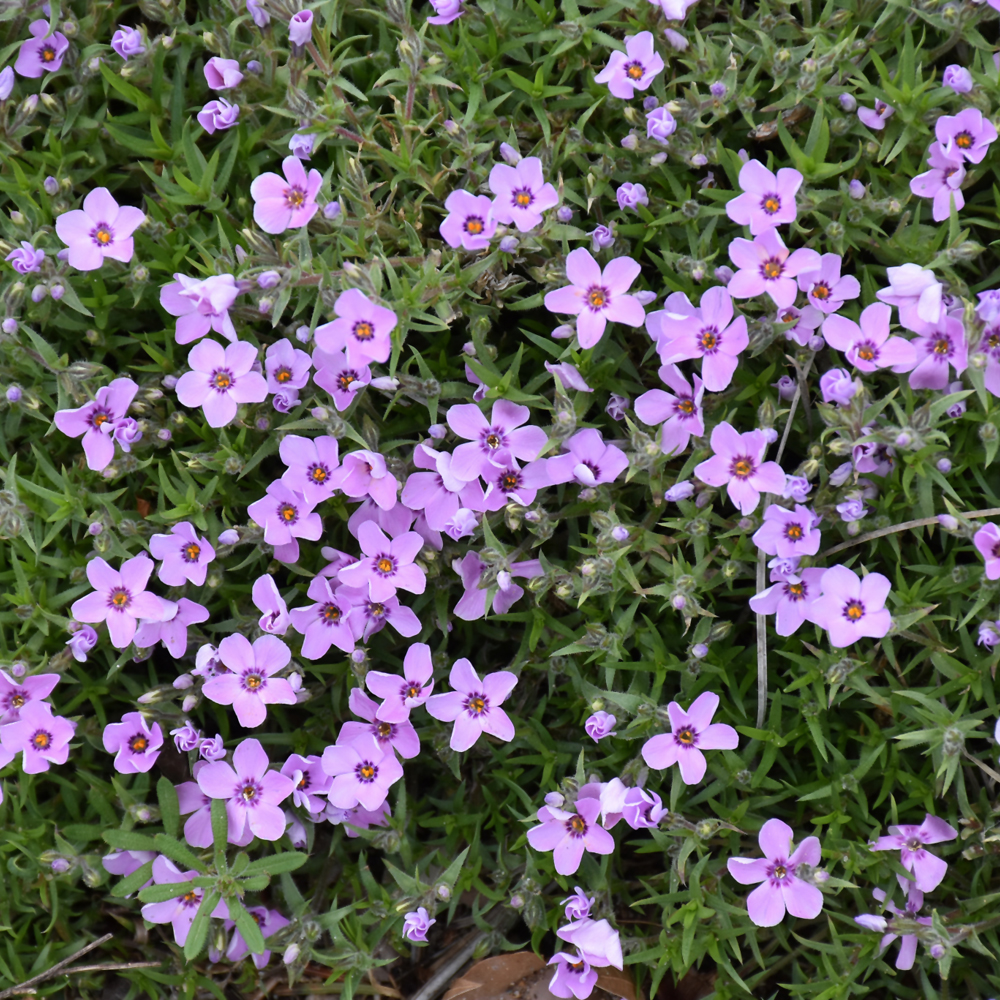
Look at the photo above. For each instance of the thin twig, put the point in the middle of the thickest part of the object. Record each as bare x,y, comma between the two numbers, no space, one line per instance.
989,770
54,971
904,526
111,967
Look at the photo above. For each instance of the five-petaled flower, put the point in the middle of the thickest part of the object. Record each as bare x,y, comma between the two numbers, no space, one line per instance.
135,742
287,202
400,695
362,329
184,553
910,840
220,379
738,464
521,193
43,52
634,69
849,607
388,564
474,705
362,773
249,685
768,199
569,833
692,731
98,420
102,228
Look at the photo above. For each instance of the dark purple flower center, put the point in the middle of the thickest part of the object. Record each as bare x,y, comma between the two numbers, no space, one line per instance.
138,743
119,599
795,591
597,298
375,610
522,197
385,565
102,234
743,467
473,225
686,737
288,513
363,330
867,351
576,826
772,268
47,53
781,871
16,699
477,705
346,378
190,552
384,731
794,532
191,899
366,772
509,480
41,740
914,844
771,203
942,347
98,418
411,689
253,681
492,438
684,407
330,614
948,171
304,782
821,290
996,551
854,610
634,70
282,374
318,473
295,197
709,339
222,380
250,792
964,140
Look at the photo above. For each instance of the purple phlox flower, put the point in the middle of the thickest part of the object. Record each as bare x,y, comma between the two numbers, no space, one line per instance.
274,617
680,491
135,743
629,195
599,725
837,386
172,629
766,265
791,592
125,862
797,488
470,222
398,736
602,237
869,456
185,555
577,906
311,463
869,347
15,694
362,773
521,193
400,695
186,738
26,258
907,942
82,642
389,564
781,888
634,69
738,464
956,410
127,42
43,737
660,125
589,461
417,922
936,350
249,686
472,604
461,524
568,376
181,910
958,78
295,830
988,307
573,976
569,834
597,297
221,74
362,329
875,118
200,305
642,810
287,202
989,636
709,332
679,412
395,521
474,705
967,134
207,662
340,378
494,444
300,28
286,367
849,607
221,379
692,731
42,53
824,286
260,16
596,940
213,749
97,420
253,793
219,115
286,516
301,145
120,598
373,615
928,869
806,320
918,295
786,387
943,182
127,433
852,510
768,199
6,82
445,11
269,922
310,782
674,10
439,494
987,542
787,533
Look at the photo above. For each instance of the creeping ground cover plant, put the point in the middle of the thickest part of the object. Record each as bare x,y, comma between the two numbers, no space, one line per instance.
500,496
